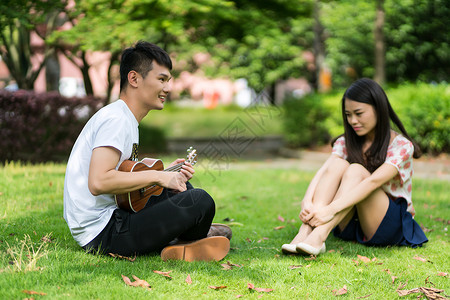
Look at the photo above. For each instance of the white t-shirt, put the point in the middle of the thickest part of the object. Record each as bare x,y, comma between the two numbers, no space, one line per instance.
86,215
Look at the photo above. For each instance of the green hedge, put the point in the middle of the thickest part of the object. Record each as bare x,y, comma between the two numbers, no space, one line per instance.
423,108
38,127
425,111
305,121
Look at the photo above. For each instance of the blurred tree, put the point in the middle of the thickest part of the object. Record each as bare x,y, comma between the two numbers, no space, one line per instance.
380,70
416,46
110,26
18,19
350,41
259,40
417,39
263,43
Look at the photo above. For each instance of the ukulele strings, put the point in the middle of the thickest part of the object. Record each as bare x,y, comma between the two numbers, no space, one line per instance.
177,167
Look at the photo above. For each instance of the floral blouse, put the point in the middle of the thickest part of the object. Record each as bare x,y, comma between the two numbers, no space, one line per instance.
400,155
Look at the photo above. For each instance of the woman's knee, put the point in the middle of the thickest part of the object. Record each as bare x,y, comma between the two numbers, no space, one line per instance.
356,172
337,167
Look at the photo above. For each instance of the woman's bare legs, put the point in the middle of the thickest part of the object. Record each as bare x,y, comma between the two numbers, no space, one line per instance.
371,210
324,193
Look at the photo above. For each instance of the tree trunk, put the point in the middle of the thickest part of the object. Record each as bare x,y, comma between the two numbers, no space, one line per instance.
380,64
111,80
319,49
52,73
85,72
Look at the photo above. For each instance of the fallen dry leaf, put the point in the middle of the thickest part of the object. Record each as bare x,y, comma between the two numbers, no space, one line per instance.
426,229
33,293
165,274
251,286
364,258
217,287
239,296
278,227
402,285
188,279
280,218
442,274
122,257
295,267
47,239
420,258
137,283
366,296
430,293
393,279
341,291
311,257
229,266
442,220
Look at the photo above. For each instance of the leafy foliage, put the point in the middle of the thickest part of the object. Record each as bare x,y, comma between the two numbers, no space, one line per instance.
17,21
261,41
425,111
304,121
416,46
267,46
350,42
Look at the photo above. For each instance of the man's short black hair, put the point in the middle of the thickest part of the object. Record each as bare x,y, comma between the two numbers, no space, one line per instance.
140,58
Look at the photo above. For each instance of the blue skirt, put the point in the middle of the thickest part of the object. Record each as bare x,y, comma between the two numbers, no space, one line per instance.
397,228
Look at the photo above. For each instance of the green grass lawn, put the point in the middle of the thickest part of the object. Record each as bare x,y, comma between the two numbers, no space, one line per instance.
37,253
201,122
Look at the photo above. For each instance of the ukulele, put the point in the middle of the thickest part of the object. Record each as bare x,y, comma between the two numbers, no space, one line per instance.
136,200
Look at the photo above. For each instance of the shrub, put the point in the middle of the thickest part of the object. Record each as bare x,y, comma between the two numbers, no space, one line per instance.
41,127
425,112
151,140
304,121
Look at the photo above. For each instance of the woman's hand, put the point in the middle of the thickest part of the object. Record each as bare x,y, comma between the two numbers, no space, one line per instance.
319,216
307,206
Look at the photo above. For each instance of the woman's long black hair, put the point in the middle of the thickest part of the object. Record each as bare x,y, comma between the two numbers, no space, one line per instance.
368,91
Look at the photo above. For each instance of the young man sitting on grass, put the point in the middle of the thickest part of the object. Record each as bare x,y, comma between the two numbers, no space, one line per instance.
181,213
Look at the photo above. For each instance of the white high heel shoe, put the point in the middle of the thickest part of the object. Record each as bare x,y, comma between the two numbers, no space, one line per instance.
310,250
289,248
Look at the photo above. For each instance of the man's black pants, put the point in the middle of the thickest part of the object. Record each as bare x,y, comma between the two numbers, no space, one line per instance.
186,216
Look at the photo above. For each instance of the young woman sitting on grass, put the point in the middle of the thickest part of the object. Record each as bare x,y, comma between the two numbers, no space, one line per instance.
363,191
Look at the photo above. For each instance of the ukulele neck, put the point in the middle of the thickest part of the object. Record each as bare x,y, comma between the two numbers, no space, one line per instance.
174,168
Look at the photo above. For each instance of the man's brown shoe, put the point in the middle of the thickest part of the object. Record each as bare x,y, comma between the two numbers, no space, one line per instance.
220,230
207,249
